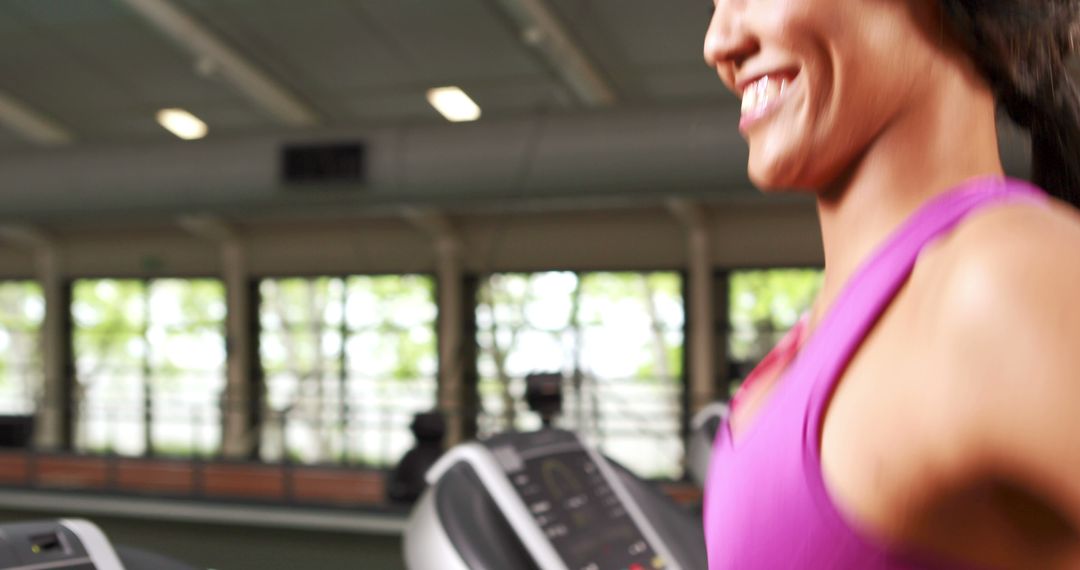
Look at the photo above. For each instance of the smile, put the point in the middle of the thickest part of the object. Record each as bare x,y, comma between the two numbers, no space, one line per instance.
762,96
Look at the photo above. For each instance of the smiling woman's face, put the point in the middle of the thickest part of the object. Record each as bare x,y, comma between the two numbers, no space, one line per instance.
820,80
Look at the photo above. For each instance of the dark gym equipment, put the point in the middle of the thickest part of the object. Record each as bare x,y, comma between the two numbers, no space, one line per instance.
16,431
407,481
545,500
72,544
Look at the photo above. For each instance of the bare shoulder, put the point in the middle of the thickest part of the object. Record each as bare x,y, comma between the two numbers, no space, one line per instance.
1009,269
1006,317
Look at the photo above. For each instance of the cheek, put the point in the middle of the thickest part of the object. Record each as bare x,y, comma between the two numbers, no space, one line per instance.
804,148
829,129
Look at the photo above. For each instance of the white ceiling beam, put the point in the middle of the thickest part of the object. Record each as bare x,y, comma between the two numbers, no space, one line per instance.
430,221
542,29
208,227
235,68
30,124
688,212
25,235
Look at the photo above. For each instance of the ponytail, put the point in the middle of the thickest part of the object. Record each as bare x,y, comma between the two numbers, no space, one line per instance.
1021,47
1055,145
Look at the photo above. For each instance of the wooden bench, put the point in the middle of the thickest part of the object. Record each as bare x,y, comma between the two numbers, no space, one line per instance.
151,476
14,468
70,472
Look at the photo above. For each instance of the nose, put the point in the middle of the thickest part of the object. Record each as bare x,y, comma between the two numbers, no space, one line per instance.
728,42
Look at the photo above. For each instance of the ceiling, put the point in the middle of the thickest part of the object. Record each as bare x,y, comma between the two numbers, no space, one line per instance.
100,69
584,101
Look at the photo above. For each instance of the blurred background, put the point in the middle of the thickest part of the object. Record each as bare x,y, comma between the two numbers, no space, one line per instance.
243,242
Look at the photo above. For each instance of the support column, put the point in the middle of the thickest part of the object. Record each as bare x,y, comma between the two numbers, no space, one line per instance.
721,326
241,402
54,421
470,374
450,273
451,340
701,343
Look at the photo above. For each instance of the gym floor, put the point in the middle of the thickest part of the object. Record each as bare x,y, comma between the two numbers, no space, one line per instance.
229,547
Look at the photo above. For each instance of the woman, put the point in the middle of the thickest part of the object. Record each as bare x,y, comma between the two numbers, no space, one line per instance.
926,413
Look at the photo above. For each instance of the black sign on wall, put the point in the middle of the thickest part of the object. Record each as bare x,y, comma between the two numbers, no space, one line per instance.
323,162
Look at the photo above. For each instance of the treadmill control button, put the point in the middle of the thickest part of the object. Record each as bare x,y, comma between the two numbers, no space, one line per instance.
577,502
556,531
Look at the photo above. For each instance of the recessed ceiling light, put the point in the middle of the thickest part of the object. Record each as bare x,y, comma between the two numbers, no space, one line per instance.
182,124
453,104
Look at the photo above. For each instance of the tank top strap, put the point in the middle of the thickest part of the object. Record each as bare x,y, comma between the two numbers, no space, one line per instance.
871,289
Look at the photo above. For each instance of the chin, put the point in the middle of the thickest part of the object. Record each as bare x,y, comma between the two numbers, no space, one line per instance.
790,169
773,175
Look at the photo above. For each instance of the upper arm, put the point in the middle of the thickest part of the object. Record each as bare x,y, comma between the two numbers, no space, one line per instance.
1011,314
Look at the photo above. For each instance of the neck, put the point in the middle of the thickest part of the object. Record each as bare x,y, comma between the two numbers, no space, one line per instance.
927,151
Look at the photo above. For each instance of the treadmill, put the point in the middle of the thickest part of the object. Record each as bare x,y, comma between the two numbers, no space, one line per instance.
72,544
704,427
545,500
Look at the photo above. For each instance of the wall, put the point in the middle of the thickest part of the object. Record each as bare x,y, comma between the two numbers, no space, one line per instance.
760,233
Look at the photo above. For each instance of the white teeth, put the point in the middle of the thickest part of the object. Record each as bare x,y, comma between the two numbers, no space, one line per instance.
758,95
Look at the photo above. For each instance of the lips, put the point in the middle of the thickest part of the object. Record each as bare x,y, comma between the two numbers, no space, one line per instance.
761,96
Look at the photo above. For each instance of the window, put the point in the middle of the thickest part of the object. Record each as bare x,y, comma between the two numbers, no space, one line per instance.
764,305
347,362
617,338
22,309
150,365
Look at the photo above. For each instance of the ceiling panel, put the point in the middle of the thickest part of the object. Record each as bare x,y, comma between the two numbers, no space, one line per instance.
45,75
93,62
684,83
648,33
9,141
335,53
463,40
312,50
496,99
629,39
101,70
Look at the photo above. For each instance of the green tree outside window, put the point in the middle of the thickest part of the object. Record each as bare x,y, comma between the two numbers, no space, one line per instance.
617,338
22,309
347,362
150,365
764,304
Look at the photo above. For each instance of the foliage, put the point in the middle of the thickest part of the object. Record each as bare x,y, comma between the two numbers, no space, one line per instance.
615,336
161,337
329,346
22,310
764,304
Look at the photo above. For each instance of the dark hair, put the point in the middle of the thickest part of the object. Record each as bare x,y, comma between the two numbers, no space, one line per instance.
1022,48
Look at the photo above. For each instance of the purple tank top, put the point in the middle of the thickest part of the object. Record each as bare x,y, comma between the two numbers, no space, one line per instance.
766,504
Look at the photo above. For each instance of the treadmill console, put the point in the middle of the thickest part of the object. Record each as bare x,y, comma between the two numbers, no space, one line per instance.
67,544
575,499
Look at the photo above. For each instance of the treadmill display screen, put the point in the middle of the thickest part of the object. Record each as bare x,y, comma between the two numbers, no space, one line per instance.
572,502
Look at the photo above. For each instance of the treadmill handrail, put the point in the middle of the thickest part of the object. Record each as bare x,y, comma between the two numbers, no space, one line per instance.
96,544
713,410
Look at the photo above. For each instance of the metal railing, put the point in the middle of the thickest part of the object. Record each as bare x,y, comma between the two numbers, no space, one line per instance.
636,421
